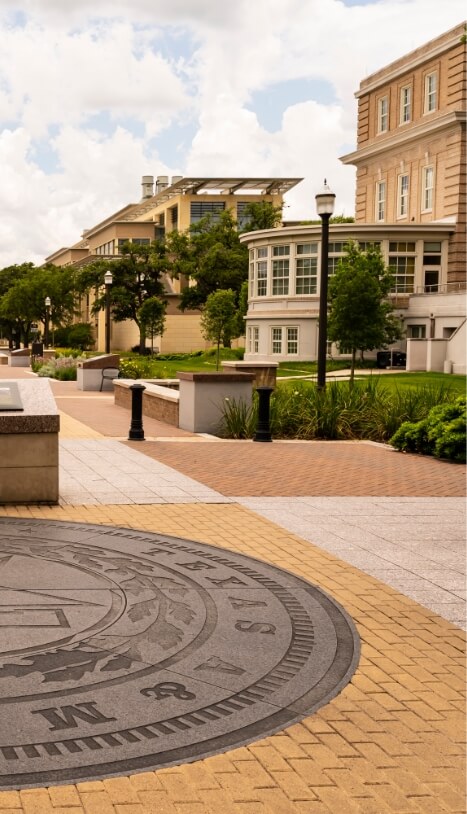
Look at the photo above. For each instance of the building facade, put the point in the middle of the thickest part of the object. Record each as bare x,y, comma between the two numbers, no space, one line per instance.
410,200
165,206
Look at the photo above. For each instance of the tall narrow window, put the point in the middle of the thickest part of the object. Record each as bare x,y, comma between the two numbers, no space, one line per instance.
253,339
261,278
430,103
403,196
292,341
276,338
381,200
427,189
406,105
306,268
383,114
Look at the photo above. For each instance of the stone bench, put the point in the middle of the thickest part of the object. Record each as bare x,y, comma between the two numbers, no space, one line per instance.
20,357
89,373
160,399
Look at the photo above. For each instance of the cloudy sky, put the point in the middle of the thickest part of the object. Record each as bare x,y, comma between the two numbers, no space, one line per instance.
96,93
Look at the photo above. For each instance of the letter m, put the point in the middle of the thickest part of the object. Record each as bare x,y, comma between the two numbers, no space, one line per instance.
68,716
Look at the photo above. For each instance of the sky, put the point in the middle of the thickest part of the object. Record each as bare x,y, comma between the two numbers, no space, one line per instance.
96,93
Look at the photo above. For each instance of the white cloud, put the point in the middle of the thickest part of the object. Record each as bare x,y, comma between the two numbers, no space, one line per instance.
100,81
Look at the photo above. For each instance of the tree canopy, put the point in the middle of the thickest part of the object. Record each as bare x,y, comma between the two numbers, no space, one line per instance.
360,315
136,277
218,320
209,254
23,290
261,215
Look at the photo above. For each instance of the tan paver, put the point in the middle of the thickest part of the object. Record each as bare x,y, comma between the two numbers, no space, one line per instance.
393,740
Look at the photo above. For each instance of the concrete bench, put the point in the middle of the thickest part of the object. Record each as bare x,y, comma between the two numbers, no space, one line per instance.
89,374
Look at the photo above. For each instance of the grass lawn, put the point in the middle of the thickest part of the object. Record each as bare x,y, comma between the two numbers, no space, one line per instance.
406,381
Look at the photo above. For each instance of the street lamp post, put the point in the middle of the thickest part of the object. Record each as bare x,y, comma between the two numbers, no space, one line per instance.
48,303
325,208
108,279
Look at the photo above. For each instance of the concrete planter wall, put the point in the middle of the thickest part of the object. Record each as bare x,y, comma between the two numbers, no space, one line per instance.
29,446
159,402
202,397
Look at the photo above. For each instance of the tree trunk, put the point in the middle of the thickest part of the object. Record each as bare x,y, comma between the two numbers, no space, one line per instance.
142,341
218,354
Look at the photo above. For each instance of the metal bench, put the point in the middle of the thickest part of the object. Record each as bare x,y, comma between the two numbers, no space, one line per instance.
109,374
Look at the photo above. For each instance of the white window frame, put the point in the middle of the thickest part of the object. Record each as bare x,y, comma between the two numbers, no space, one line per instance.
280,275
405,109
292,341
380,200
431,92
276,340
428,187
416,331
261,280
403,191
306,254
253,339
383,114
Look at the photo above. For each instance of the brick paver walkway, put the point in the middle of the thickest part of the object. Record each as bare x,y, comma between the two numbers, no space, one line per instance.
310,468
392,741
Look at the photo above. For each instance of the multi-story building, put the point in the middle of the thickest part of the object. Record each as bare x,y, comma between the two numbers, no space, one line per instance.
162,208
410,199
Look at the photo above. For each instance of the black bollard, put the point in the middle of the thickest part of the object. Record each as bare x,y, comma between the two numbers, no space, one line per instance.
263,433
136,432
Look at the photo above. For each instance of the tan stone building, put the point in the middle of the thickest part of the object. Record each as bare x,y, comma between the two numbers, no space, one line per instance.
164,206
410,200
411,151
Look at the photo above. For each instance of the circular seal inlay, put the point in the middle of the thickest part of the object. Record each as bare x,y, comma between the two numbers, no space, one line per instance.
124,650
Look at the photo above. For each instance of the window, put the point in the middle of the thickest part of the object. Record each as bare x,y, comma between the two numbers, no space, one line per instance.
405,114
261,278
430,93
292,341
335,252
305,275
383,114
306,268
253,339
417,331
140,241
201,209
276,337
427,189
251,278
280,276
403,196
242,217
402,266
431,266
263,251
381,200
280,251
121,243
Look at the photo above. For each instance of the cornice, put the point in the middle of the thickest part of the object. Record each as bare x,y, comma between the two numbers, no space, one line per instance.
399,139
402,66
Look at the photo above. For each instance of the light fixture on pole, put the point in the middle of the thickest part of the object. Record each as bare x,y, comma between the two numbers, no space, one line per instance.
108,280
48,303
325,208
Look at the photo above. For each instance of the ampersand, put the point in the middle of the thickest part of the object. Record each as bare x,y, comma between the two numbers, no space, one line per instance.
167,689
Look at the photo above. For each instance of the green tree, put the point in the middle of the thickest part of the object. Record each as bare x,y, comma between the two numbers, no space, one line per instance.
9,324
210,256
24,301
218,321
136,277
152,318
262,215
360,315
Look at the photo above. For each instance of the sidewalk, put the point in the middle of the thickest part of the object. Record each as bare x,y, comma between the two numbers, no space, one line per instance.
392,740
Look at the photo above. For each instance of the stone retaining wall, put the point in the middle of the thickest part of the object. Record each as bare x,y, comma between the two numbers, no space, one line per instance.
159,401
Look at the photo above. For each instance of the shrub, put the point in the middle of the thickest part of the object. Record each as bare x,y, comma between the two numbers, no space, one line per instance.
367,410
60,367
442,433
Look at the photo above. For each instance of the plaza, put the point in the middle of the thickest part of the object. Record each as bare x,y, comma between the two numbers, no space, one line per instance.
381,533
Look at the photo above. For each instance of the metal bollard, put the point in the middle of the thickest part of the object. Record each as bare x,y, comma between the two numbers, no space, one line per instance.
263,432
136,432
